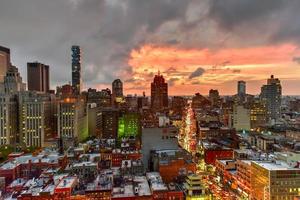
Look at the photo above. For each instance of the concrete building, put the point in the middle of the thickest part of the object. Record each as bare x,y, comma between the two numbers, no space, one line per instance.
129,125
13,81
241,88
117,91
271,94
258,114
34,118
109,123
194,189
243,168
159,93
158,139
76,69
38,77
240,118
8,119
72,119
4,62
274,180
94,120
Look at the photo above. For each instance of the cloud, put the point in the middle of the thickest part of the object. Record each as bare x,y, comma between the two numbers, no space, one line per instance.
121,39
296,59
198,72
172,81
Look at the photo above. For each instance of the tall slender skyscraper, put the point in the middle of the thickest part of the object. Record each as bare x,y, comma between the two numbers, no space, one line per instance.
159,93
271,95
76,69
38,77
4,62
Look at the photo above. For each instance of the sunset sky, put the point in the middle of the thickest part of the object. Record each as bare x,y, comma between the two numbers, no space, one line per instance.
196,44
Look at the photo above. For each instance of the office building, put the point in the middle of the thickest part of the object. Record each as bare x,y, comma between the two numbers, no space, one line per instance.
13,81
129,125
94,120
159,93
101,98
76,69
117,90
274,180
4,62
109,123
241,88
271,94
34,118
8,119
158,139
240,118
38,77
214,97
258,114
72,121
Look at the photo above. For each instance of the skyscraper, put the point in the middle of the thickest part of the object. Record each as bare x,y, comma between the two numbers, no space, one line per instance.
76,69
159,93
13,81
34,118
241,89
8,119
271,95
4,62
117,91
38,77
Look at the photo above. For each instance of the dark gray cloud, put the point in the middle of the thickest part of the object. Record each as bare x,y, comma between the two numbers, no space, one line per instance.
107,30
198,72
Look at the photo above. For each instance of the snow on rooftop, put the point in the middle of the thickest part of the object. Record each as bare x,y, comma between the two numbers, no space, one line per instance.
67,182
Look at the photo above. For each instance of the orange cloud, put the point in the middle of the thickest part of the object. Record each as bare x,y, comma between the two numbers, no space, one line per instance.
222,67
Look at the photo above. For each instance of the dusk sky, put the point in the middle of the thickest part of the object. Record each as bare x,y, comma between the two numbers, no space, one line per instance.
196,44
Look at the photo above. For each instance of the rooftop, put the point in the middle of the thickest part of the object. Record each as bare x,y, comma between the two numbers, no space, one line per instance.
274,166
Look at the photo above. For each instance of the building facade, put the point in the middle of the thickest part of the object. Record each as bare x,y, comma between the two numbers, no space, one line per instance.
38,77
76,69
4,62
159,93
271,94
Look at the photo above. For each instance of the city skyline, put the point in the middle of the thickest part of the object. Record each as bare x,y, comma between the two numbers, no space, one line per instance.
196,45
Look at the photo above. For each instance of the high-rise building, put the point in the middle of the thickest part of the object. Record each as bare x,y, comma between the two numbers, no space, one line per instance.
38,77
270,180
117,88
72,119
159,93
109,123
214,96
13,81
271,94
34,118
258,114
76,69
240,118
129,125
8,119
241,88
4,62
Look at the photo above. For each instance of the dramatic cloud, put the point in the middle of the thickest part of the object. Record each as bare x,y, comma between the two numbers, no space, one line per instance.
133,39
198,72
